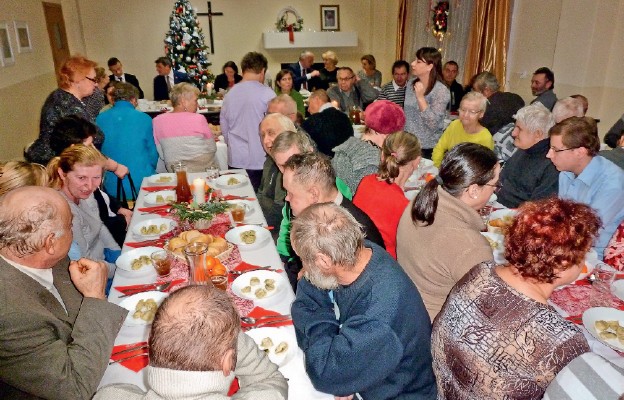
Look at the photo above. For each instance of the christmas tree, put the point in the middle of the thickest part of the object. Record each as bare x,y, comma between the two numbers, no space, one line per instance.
184,44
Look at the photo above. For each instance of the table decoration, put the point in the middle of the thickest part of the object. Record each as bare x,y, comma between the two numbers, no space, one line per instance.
198,216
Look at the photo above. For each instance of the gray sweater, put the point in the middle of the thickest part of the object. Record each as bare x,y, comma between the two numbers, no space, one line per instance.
427,125
354,159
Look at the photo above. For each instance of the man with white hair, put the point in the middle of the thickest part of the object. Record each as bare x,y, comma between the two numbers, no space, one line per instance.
302,70
566,108
528,174
380,344
57,327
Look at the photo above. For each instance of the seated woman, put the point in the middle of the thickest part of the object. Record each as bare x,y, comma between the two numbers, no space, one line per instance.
284,85
228,78
369,72
184,135
496,336
76,174
465,129
438,238
356,158
381,195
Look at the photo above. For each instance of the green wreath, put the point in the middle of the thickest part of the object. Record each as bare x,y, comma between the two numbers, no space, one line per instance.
282,20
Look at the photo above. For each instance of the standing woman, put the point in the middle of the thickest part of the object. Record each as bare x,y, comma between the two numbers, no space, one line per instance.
76,174
381,195
328,74
426,98
76,79
439,239
284,85
369,72
228,78
97,100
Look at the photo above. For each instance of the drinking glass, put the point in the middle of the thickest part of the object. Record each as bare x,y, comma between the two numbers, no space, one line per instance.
183,189
238,213
196,256
212,173
600,294
162,261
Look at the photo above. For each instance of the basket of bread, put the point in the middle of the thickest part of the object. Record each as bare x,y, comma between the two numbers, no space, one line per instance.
217,246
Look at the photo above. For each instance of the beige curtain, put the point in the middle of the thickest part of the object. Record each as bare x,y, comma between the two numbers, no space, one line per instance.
401,26
489,39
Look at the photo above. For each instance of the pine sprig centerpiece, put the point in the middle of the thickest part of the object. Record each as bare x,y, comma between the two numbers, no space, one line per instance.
193,212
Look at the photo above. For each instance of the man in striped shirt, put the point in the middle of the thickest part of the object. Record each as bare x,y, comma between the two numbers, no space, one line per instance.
395,90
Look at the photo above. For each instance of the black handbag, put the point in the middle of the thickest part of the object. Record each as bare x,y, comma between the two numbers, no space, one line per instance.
121,193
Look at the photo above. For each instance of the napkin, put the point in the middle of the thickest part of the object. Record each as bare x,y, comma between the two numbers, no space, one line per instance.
428,176
154,242
146,287
135,364
154,208
243,266
157,188
263,312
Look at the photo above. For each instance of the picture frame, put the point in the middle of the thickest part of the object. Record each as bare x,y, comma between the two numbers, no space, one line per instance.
22,37
6,50
330,17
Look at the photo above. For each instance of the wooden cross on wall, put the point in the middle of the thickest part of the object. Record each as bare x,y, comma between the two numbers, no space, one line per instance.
210,14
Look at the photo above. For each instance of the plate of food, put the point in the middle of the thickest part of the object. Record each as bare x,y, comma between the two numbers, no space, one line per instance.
137,262
248,237
142,307
160,198
607,325
259,285
153,227
163,179
500,220
497,243
279,344
231,181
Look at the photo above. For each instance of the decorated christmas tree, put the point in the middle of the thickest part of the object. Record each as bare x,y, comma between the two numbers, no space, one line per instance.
184,44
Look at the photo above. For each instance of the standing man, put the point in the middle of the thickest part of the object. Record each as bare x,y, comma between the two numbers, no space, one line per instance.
379,345
327,126
115,66
542,86
57,327
243,109
587,177
395,90
302,70
351,91
166,78
449,73
501,105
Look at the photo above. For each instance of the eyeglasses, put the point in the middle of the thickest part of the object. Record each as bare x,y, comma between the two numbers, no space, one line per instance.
471,112
91,79
556,150
346,79
497,186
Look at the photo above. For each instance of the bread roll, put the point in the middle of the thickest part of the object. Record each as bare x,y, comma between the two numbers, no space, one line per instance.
213,251
220,243
190,235
203,239
176,243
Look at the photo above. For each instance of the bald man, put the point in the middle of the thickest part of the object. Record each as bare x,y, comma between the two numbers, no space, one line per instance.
57,327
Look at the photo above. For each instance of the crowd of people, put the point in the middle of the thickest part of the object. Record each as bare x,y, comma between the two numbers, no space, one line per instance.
395,298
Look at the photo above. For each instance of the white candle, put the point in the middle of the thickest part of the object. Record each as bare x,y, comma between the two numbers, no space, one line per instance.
199,196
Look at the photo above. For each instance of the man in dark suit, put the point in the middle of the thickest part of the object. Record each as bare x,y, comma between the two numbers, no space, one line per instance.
166,78
115,66
327,126
301,70
57,327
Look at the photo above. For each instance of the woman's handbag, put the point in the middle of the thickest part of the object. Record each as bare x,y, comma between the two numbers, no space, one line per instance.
121,193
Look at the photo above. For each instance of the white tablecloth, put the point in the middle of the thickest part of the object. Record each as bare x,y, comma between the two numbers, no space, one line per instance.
299,384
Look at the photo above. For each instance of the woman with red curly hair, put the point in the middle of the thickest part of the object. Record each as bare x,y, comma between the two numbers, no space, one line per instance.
496,337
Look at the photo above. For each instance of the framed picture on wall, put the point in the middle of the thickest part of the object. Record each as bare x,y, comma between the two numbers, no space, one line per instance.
22,35
6,51
330,18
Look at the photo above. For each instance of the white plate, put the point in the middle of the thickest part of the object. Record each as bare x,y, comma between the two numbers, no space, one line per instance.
277,335
500,214
124,262
499,251
618,289
246,204
243,280
222,181
136,230
155,179
263,236
130,303
151,198
592,315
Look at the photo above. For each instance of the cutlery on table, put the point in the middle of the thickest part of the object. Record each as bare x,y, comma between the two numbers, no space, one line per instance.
131,349
252,320
235,272
148,288
127,358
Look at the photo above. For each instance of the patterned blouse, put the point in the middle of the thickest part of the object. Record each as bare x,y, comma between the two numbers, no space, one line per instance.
492,342
59,104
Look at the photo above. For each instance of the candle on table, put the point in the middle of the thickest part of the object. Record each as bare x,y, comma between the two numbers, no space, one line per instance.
199,196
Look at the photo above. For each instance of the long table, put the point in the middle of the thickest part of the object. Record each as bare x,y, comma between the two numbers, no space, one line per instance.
300,386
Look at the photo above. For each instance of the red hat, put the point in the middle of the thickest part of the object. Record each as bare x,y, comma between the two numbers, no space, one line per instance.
384,116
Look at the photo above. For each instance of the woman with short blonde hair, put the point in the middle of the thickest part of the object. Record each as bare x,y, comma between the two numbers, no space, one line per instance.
328,73
14,174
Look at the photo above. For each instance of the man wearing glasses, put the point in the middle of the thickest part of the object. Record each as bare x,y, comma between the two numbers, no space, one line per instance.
587,177
350,92
528,174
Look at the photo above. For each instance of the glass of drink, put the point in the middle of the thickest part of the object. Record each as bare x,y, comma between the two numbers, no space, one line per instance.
196,256
600,294
212,173
162,261
219,281
183,189
238,213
